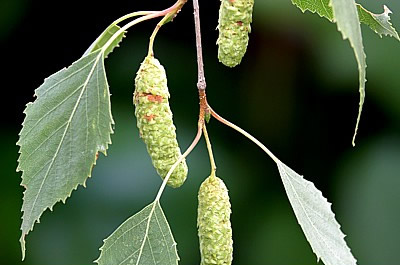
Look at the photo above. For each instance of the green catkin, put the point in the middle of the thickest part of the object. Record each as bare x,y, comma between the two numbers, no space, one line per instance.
213,221
234,21
154,120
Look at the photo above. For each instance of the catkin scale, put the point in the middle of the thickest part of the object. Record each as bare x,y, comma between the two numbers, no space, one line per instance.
154,120
234,21
213,221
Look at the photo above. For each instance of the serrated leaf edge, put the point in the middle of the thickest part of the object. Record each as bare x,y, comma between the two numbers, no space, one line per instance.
104,151
282,171
152,211
107,30
386,14
304,10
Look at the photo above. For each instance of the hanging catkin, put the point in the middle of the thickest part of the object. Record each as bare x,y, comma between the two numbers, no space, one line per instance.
213,221
234,21
154,120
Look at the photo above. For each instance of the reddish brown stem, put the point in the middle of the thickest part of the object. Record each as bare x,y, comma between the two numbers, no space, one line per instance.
201,80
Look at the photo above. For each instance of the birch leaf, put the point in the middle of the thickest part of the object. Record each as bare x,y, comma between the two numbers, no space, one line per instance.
379,23
347,20
143,239
348,15
63,131
315,216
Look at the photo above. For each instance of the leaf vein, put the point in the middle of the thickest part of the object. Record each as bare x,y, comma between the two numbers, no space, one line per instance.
164,239
128,257
44,141
133,227
151,251
146,232
50,111
67,77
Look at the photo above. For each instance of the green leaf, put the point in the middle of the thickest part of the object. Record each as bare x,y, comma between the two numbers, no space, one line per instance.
379,23
144,238
315,216
346,17
345,14
321,7
104,38
63,131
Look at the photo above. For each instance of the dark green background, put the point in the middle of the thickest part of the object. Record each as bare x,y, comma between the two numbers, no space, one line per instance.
296,91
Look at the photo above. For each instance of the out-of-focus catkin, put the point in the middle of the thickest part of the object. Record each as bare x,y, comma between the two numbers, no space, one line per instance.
154,120
234,21
213,221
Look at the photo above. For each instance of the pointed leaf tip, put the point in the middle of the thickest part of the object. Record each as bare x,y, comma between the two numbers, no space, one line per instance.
22,242
348,23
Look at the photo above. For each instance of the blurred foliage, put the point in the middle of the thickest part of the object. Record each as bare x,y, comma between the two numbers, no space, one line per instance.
296,90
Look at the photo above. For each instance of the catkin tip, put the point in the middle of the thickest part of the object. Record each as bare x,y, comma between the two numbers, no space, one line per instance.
213,221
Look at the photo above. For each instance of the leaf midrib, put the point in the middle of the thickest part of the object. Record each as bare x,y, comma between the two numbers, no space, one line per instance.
44,116
146,232
56,84
67,77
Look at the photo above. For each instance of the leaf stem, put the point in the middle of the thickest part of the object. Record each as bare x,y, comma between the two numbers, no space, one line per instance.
246,134
152,14
209,149
180,159
127,26
153,35
134,14
168,17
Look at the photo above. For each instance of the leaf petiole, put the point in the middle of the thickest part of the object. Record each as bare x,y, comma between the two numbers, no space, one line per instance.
127,26
165,19
244,133
133,14
150,14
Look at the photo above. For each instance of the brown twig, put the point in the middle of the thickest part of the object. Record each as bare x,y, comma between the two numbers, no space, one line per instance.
201,80
201,83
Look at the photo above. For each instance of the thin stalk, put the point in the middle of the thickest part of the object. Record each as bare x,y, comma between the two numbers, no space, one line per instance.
187,152
153,35
210,152
133,14
246,134
127,26
161,13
